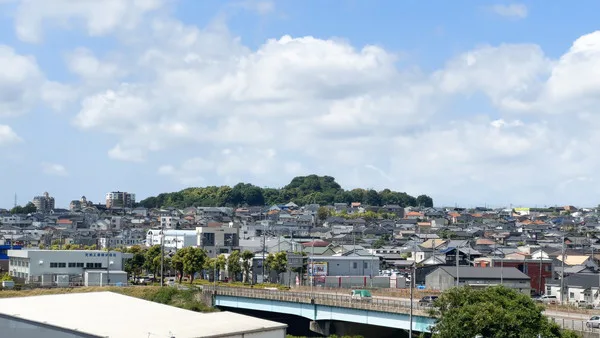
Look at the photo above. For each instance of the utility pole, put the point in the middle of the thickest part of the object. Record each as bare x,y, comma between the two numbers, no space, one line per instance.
412,280
540,278
108,260
162,255
457,266
562,273
263,252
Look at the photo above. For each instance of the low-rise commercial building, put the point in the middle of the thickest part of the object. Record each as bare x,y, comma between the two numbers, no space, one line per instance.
49,267
445,277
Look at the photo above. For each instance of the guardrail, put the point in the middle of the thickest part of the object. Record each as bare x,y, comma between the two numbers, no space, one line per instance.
338,300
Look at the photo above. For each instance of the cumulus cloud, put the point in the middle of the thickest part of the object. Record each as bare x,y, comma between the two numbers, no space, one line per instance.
54,169
299,105
513,11
7,135
99,17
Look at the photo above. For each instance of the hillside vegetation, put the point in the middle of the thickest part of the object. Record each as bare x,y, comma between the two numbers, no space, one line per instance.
301,190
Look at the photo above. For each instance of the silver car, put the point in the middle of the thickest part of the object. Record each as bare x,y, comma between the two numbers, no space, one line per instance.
593,322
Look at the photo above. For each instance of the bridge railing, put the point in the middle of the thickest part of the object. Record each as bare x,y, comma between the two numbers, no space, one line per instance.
339,300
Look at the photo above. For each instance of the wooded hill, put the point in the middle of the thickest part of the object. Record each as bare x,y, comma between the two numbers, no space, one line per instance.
301,190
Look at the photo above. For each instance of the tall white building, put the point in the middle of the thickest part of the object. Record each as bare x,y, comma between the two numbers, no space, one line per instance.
49,266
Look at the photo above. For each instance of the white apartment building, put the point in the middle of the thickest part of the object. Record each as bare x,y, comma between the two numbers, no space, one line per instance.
218,240
120,199
169,222
48,266
174,239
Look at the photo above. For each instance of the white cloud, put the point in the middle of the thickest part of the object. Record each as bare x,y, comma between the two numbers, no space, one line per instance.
7,135
23,85
54,169
224,113
85,64
261,7
514,11
99,17
190,172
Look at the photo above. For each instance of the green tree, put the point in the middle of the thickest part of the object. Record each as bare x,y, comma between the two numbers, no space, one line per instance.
177,261
135,264
301,190
323,213
150,262
210,265
247,256
379,243
193,261
425,201
221,263
497,312
5,277
234,266
277,262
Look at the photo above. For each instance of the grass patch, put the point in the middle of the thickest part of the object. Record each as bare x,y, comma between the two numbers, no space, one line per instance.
185,299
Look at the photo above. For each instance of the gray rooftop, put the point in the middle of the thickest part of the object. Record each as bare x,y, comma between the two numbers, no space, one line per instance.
470,272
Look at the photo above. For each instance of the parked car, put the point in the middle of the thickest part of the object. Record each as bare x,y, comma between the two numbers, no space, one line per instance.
547,299
594,321
427,300
361,295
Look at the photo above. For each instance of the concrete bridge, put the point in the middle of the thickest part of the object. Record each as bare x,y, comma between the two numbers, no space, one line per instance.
328,313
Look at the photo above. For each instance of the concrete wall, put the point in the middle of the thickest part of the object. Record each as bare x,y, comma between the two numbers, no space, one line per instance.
439,280
13,328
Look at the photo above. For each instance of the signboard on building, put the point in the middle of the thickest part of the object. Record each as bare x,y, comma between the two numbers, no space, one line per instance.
317,269
294,260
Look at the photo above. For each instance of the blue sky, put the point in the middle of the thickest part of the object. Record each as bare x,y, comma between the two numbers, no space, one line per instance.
470,102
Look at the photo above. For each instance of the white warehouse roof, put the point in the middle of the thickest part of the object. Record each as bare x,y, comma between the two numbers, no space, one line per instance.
108,314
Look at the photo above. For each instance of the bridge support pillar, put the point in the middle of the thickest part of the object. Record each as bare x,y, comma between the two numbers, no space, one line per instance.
322,327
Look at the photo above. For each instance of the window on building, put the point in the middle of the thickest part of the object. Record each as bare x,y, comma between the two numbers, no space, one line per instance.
547,268
365,265
354,265
571,295
62,265
79,265
89,265
53,265
72,264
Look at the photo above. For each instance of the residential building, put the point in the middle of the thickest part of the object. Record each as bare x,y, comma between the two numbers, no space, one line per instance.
47,267
119,199
579,288
44,203
169,222
218,240
539,270
445,277
174,239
